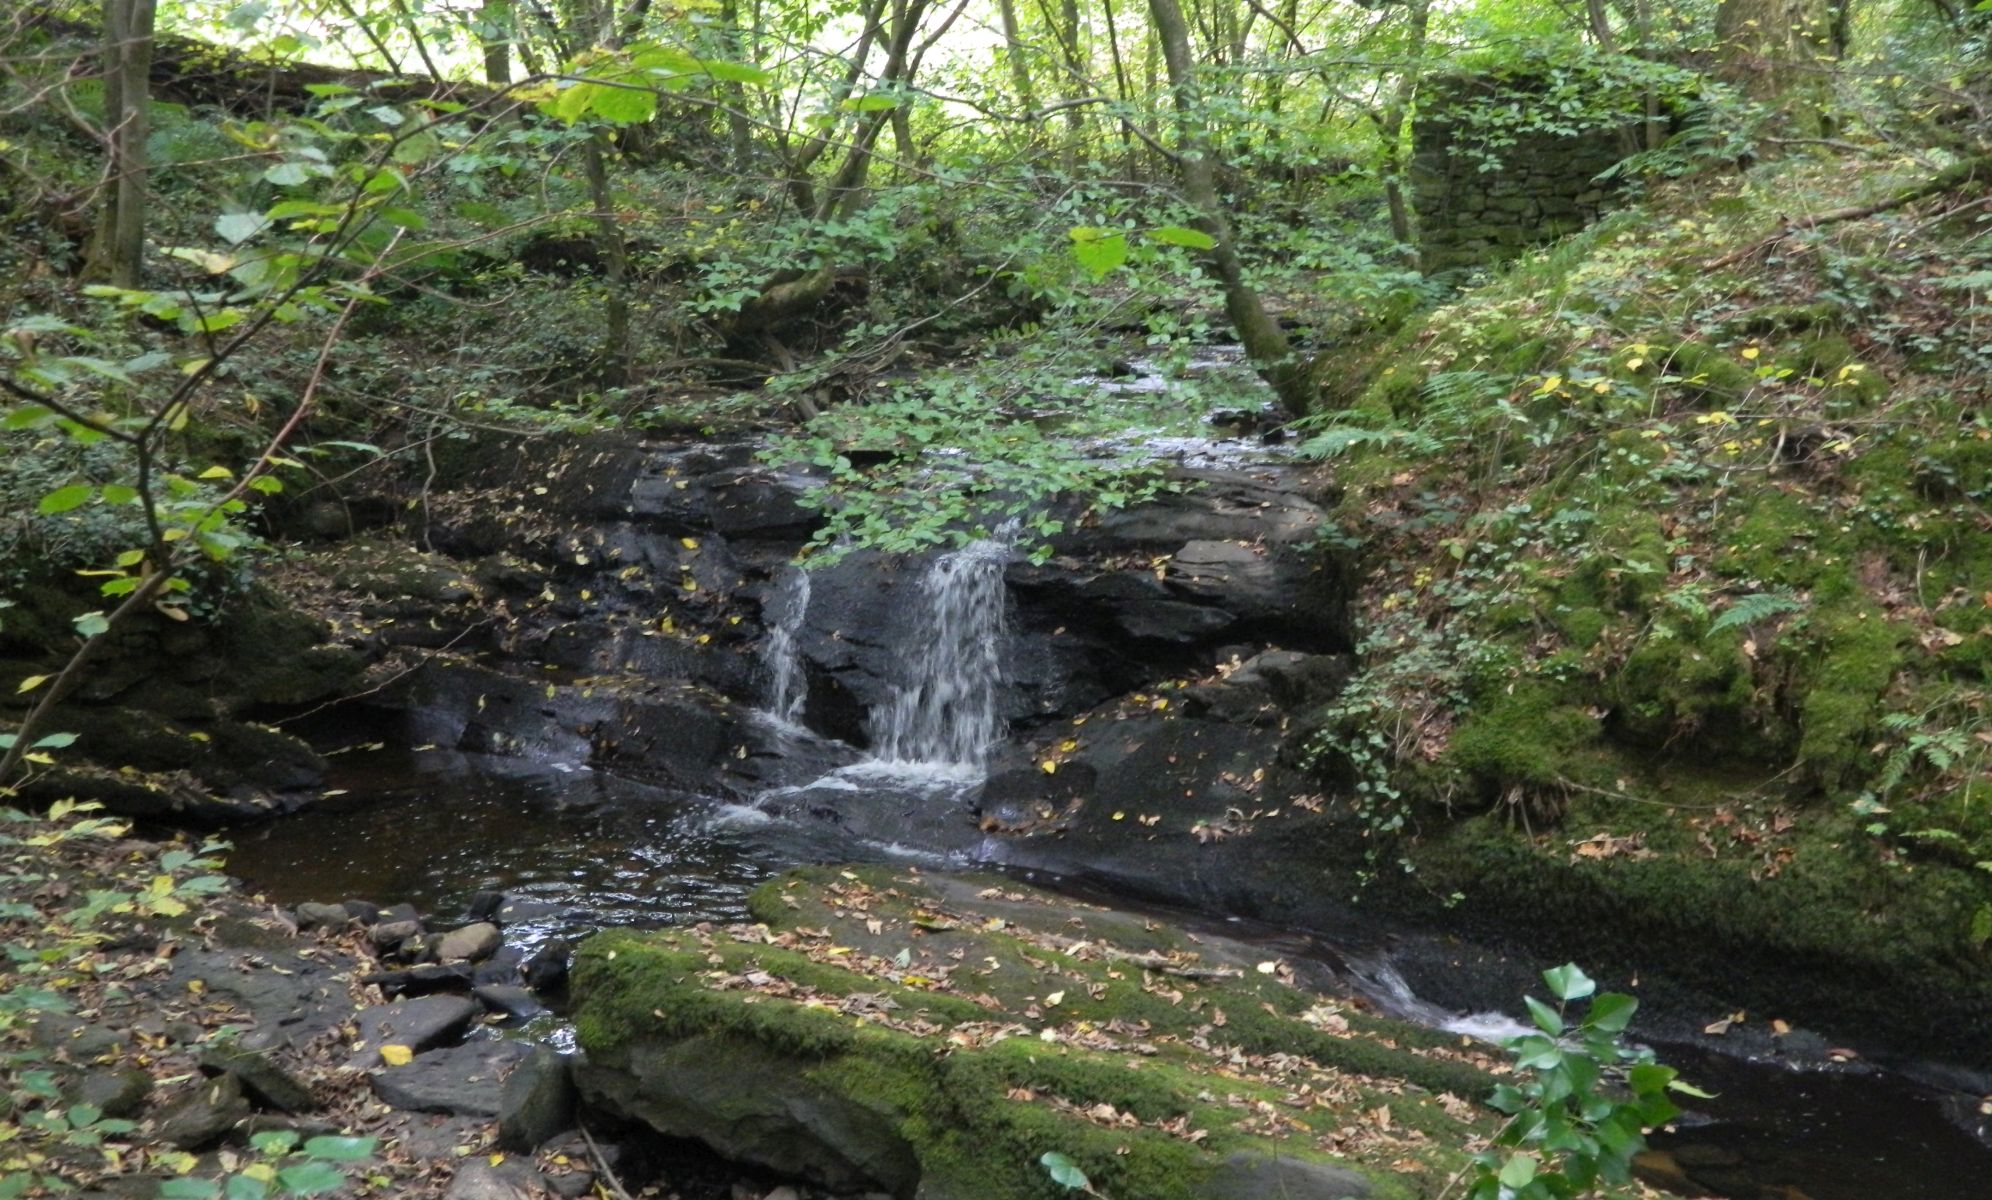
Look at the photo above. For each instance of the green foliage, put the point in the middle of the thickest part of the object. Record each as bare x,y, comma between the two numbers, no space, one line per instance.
288,1165
1583,1100
1746,611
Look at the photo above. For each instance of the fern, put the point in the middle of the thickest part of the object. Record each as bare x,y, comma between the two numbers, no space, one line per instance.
1331,442
1758,606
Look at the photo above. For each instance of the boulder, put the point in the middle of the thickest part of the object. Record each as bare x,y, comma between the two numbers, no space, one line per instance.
203,1115
948,1030
263,1081
508,1180
537,1102
469,944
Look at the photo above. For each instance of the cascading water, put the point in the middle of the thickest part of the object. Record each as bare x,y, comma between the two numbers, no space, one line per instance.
946,712
788,686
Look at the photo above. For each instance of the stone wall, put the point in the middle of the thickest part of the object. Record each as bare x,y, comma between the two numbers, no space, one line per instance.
1479,204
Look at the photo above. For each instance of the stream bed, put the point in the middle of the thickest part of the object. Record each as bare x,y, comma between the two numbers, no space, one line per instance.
433,827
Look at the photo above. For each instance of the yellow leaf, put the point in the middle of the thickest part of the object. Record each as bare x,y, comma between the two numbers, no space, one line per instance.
260,1171
31,683
495,1159
1054,999
1049,766
217,473
689,543
396,1056
1751,352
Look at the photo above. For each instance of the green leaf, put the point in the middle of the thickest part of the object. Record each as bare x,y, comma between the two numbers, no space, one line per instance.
1611,1012
1546,1018
1568,983
340,1149
287,174
1099,251
622,105
245,1187
311,1178
271,1142
62,499
871,103
91,624
1177,235
1064,1172
1518,1171
188,1189
237,228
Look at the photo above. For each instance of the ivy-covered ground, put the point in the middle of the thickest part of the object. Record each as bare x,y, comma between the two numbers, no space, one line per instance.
1678,549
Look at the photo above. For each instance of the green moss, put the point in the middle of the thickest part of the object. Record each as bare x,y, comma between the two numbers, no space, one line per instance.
1710,373
979,1110
1521,737
1677,686
1859,652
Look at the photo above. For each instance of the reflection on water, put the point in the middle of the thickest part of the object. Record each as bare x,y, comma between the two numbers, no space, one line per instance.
433,827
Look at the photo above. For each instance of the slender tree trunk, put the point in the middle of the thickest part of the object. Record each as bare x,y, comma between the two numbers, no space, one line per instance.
739,133
1390,127
497,29
1259,331
128,30
614,253
1013,55
1121,91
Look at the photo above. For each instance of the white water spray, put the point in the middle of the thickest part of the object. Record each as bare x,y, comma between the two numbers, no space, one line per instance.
946,712
788,683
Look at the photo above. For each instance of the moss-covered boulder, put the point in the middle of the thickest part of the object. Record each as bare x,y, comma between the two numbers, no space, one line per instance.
936,1037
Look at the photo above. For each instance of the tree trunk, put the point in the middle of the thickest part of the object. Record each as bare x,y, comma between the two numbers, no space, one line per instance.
1390,127
496,31
1259,331
1013,54
128,73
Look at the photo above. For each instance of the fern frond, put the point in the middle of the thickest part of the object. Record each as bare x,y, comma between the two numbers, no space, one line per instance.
1758,606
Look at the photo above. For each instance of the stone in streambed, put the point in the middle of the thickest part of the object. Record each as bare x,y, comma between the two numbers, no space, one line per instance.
418,1024
389,934
470,943
424,980
509,1000
202,1116
262,1080
508,1180
537,1102
117,1094
546,970
322,916
1256,1175
460,1081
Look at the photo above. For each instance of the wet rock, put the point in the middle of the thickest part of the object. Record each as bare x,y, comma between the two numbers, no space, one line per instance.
390,934
546,970
202,1116
510,1000
418,1024
263,1081
484,905
469,944
459,1081
117,1094
571,1184
81,1041
322,916
521,910
424,980
508,1180
537,1102
501,968
1256,1175
366,912
400,912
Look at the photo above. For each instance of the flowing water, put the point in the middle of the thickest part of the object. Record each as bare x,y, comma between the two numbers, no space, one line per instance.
788,685
432,827
945,713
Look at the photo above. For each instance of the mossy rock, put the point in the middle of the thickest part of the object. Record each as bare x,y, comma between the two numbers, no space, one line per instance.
936,1036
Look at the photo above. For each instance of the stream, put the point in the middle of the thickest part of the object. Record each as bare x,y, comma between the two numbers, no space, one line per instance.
433,826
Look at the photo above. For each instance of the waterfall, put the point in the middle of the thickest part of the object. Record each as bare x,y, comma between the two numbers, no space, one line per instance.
788,684
945,713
